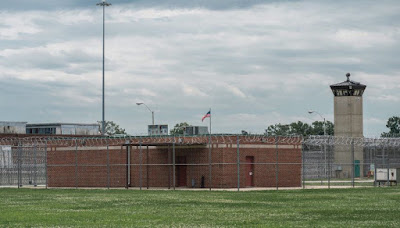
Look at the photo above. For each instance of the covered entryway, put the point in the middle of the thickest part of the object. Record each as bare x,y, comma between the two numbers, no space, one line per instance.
181,178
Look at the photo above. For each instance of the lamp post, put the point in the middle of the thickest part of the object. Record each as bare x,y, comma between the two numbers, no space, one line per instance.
152,112
324,126
103,4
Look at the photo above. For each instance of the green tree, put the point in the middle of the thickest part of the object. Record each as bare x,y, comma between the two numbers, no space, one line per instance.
278,129
318,128
112,128
300,128
393,124
179,128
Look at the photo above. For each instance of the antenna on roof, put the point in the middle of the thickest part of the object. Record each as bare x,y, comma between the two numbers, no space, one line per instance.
348,76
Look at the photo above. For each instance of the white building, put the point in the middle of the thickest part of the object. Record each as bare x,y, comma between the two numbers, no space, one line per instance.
8,127
63,129
161,129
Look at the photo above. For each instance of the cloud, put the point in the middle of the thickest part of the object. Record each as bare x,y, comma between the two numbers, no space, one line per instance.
235,91
54,5
387,98
255,63
373,120
192,91
363,39
13,27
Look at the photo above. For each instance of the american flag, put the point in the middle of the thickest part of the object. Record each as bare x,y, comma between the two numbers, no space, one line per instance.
206,115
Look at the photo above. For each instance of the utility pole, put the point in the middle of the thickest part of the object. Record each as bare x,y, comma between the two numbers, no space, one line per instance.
103,123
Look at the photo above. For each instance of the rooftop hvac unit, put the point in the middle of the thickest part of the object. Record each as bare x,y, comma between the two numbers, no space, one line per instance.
196,130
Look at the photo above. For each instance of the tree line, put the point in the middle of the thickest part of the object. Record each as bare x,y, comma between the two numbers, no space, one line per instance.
393,124
300,128
295,128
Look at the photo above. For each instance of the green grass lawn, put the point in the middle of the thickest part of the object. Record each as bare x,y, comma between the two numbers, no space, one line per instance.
365,207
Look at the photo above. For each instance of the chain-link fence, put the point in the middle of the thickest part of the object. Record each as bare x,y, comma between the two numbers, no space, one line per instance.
199,162
341,161
22,165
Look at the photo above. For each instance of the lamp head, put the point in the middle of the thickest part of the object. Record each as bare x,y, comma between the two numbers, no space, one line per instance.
310,112
139,103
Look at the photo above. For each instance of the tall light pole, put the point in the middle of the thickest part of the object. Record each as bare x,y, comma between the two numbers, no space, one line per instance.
103,123
311,112
152,112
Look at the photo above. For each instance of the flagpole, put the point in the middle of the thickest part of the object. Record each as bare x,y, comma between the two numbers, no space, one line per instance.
210,122
209,153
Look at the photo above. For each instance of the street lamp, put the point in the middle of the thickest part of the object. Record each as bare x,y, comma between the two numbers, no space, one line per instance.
103,4
152,113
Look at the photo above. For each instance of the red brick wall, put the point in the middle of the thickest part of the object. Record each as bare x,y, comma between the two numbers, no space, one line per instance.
91,169
157,170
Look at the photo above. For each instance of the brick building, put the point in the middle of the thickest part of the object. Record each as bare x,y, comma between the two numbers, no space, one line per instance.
150,163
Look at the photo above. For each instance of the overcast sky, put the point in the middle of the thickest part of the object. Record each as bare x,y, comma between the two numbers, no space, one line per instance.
255,63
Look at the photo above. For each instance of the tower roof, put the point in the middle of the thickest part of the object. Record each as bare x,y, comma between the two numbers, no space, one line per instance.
348,84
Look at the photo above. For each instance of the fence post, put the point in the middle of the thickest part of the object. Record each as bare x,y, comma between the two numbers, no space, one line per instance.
383,159
325,167
147,166
127,166
108,165
319,167
209,162
169,167
2,166
276,165
141,164
45,161
370,159
19,164
329,164
302,164
388,167
238,163
173,164
376,162
76,163
352,162
129,151
34,165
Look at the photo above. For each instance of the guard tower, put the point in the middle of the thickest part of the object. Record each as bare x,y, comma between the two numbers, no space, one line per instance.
348,119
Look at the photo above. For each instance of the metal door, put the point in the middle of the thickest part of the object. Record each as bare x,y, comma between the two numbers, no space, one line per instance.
249,171
357,168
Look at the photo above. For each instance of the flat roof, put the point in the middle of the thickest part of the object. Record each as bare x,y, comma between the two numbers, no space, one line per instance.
162,144
14,122
59,124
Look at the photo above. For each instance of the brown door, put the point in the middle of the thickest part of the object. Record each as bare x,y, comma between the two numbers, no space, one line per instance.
181,171
249,171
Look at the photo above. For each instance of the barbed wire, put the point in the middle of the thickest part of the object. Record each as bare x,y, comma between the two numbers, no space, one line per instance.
146,140
347,141
87,141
